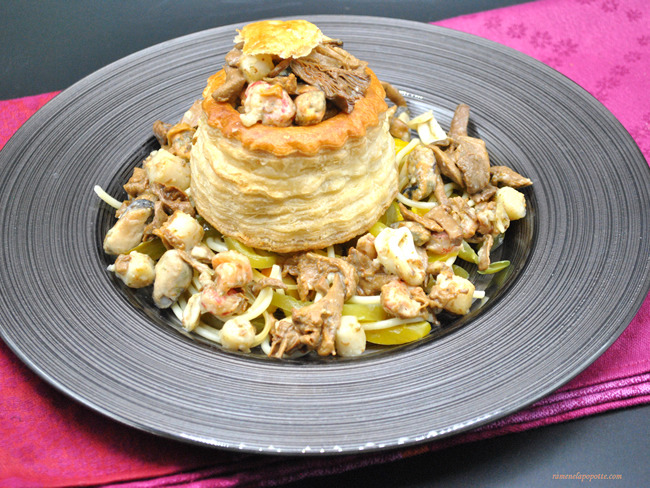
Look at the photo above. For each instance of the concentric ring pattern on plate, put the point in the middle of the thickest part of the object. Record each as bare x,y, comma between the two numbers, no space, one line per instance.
585,275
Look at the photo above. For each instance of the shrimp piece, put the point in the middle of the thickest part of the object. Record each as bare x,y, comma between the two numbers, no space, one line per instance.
216,302
269,104
403,301
232,270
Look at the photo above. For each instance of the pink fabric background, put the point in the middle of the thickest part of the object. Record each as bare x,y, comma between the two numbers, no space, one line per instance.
46,439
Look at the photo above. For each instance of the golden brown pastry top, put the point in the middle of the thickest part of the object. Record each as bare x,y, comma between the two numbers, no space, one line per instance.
286,39
281,141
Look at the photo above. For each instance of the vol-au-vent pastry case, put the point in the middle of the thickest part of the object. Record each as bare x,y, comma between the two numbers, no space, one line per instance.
296,187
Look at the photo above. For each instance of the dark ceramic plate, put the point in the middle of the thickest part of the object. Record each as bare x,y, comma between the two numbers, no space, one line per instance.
581,263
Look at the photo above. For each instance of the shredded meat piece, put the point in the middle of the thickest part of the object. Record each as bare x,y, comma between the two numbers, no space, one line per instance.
138,184
160,129
464,215
371,276
313,270
279,68
288,83
484,252
234,55
424,220
232,87
319,321
366,245
502,175
172,199
471,158
447,166
404,301
265,282
451,237
339,74
285,338
159,218
313,327
485,218
485,194
459,121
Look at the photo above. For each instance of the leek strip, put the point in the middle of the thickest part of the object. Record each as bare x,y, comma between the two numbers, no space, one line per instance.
416,204
106,197
495,267
388,323
257,260
367,312
377,228
468,254
420,119
438,133
478,294
425,134
369,300
287,302
442,257
216,244
392,214
458,271
401,334
153,248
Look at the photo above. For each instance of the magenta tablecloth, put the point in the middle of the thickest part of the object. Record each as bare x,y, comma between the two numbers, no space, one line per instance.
47,439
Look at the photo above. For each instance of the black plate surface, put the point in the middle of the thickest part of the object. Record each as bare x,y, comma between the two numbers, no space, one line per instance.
578,283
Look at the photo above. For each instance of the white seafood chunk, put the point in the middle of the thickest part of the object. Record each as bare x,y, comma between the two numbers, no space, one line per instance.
135,269
173,277
167,169
461,288
255,67
237,334
350,337
513,201
181,231
128,230
397,254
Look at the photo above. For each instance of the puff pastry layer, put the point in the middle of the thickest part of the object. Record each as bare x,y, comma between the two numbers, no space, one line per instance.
288,189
